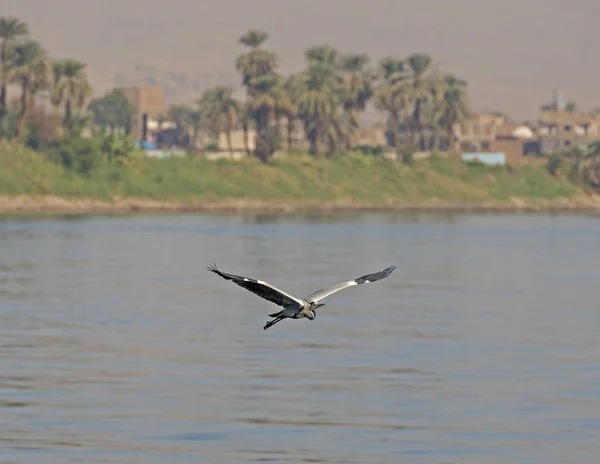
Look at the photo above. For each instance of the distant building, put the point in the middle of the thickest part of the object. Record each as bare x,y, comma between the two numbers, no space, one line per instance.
478,133
148,103
515,141
374,135
561,130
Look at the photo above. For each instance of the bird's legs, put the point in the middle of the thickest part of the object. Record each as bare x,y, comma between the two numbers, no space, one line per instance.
273,322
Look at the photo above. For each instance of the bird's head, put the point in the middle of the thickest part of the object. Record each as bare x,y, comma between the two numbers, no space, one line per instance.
313,310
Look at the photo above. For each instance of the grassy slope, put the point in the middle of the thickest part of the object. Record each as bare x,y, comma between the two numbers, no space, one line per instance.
298,179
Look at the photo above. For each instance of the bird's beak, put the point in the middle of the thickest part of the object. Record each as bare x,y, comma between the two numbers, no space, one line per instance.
318,305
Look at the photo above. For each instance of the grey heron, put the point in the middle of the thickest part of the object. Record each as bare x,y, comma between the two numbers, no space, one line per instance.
296,308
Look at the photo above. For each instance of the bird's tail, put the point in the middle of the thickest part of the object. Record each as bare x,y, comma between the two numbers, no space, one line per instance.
273,322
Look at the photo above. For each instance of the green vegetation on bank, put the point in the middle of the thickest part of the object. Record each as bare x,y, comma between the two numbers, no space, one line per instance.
295,179
55,141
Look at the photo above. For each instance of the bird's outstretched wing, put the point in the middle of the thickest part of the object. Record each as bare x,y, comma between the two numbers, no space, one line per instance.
258,287
325,292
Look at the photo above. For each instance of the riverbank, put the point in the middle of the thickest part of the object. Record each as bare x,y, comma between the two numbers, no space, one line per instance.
58,205
29,183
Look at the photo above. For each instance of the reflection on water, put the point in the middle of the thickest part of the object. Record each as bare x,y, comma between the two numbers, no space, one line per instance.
117,346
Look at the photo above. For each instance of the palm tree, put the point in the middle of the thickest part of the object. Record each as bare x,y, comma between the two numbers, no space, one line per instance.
291,86
390,96
245,120
454,104
258,61
31,69
320,96
419,88
221,110
357,82
179,115
11,29
392,69
357,85
337,130
188,122
195,121
254,65
322,55
270,103
71,87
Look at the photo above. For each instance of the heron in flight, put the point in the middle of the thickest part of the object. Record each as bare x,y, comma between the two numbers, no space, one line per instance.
296,308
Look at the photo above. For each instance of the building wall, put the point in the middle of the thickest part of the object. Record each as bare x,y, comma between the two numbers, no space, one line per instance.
145,100
563,131
512,147
554,143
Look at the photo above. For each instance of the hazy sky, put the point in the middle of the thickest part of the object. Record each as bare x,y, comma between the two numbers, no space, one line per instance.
513,53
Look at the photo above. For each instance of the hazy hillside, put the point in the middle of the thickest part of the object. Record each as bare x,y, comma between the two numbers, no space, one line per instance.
513,53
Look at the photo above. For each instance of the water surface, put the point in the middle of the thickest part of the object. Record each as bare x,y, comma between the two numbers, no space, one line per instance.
116,346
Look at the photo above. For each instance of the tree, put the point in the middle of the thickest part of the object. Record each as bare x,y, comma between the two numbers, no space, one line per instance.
221,110
290,112
112,111
357,86
11,29
258,61
390,96
31,69
357,82
270,102
254,66
188,122
71,87
319,99
245,119
454,104
419,88
322,55
584,164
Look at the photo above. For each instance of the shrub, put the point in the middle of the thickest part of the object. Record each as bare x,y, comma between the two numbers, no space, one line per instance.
82,155
555,162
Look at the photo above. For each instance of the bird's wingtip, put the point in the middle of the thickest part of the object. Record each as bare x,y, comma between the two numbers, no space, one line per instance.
212,267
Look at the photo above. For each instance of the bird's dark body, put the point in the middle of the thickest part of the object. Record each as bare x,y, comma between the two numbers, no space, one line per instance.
295,308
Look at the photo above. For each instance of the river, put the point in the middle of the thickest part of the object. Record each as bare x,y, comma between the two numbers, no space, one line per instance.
117,346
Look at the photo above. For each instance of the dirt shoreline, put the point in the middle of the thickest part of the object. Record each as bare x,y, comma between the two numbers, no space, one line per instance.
59,205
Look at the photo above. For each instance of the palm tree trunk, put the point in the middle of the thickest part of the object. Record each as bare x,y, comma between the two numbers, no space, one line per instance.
452,144
290,131
68,113
24,108
194,140
277,117
228,130
245,130
229,144
417,126
396,131
4,78
436,139
314,150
